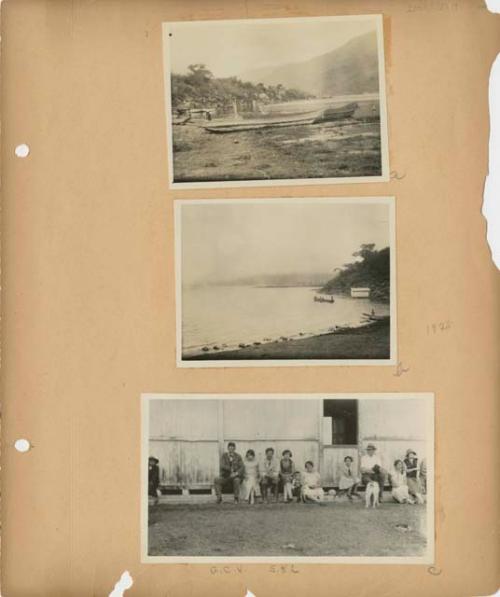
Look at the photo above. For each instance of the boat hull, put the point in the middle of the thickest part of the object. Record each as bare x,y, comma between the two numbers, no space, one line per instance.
273,121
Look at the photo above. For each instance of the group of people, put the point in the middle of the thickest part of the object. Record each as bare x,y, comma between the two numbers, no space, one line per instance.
250,479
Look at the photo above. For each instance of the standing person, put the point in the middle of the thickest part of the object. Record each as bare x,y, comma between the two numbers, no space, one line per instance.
232,471
399,484
287,470
270,475
311,484
371,468
153,478
413,475
423,475
348,481
252,475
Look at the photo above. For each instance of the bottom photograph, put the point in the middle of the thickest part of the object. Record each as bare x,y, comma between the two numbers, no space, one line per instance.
295,478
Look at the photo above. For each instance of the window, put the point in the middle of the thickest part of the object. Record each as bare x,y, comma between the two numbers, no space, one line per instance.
344,421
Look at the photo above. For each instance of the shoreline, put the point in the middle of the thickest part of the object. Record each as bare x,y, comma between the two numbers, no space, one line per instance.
366,341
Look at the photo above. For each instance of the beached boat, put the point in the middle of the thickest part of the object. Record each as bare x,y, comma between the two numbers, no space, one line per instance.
373,317
280,120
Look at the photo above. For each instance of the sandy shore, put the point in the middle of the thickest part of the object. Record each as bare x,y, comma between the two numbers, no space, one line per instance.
367,342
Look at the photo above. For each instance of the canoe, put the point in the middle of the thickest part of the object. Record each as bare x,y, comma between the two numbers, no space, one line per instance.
272,120
280,120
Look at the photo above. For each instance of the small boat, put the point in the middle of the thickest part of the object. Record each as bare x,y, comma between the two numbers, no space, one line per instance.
280,120
322,299
373,317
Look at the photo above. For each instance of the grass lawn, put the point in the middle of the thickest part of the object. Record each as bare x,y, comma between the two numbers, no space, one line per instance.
293,530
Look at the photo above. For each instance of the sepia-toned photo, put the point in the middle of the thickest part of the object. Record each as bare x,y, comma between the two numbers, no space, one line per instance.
275,101
285,282
342,477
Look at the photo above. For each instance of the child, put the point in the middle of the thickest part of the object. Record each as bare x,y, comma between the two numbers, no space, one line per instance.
412,475
287,470
251,479
297,486
348,482
311,485
399,484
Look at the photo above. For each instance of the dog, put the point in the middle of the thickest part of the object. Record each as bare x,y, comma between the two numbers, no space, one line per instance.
372,494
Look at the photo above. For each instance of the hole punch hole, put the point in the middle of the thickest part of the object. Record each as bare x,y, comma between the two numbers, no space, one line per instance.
22,151
22,445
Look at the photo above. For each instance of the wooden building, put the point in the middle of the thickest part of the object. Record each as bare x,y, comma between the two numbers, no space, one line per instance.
360,292
189,435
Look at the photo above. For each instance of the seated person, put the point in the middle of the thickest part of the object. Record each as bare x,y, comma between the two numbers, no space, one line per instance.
232,471
251,488
269,475
311,485
413,475
371,469
348,481
399,485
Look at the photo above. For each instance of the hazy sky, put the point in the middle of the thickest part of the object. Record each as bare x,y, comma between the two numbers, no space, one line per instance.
223,242
230,49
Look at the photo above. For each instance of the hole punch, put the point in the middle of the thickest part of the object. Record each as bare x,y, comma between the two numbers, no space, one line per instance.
22,151
22,445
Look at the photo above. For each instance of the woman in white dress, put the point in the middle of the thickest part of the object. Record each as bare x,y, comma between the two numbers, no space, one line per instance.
251,487
399,484
311,484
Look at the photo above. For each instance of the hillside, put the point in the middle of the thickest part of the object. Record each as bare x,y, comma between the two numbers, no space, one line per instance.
372,271
350,69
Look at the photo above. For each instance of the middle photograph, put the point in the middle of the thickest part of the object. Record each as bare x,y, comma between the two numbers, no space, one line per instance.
285,282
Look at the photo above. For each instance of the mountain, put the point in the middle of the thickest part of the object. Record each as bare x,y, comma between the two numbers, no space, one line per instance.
350,69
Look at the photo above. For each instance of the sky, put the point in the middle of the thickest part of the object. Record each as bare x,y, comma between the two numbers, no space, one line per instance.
234,48
224,242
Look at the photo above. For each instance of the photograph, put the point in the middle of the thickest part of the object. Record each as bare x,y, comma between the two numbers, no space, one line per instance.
275,101
288,477
285,282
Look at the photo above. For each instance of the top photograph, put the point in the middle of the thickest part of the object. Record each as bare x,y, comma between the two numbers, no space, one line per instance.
263,102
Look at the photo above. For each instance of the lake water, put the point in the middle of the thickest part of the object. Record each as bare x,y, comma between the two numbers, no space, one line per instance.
313,104
231,315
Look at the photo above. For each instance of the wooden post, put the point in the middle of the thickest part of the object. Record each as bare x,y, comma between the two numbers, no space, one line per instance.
220,426
320,436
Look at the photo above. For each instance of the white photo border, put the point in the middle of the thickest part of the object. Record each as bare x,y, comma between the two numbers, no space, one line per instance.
391,361
384,136
427,559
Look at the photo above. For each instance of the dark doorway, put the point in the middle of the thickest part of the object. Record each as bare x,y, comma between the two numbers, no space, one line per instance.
344,415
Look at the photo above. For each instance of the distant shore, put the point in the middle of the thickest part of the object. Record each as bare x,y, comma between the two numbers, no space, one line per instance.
370,341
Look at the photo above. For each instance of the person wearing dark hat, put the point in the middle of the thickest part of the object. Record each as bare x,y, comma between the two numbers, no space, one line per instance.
232,471
371,468
153,477
413,475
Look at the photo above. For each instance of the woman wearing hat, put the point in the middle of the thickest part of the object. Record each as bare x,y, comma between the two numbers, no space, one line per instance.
412,475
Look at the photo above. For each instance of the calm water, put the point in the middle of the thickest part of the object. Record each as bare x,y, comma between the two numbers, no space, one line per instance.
312,104
244,314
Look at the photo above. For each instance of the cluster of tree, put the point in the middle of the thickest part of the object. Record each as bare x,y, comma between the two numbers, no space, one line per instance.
200,89
372,269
